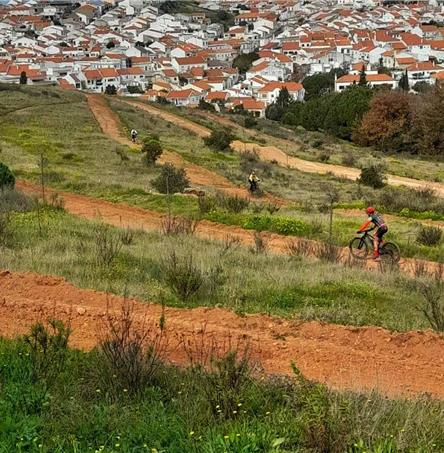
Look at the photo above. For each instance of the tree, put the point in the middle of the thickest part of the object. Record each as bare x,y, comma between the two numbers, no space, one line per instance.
276,110
204,105
342,112
152,150
362,77
428,122
387,123
244,61
220,139
318,85
7,179
421,87
110,45
404,82
23,78
110,90
171,180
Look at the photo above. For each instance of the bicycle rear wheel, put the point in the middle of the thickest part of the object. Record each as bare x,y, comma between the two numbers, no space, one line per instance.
359,248
391,249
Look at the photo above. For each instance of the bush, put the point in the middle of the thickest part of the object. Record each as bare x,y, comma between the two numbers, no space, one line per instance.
171,180
135,89
429,235
5,228
220,139
232,204
173,225
152,150
281,225
108,243
48,345
129,355
111,90
373,176
433,309
7,179
249,122
182,275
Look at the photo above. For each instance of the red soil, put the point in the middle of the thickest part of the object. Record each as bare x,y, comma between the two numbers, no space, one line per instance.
363,359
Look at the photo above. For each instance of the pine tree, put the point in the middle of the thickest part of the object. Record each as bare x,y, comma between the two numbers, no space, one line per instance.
404,82
362,77
284,99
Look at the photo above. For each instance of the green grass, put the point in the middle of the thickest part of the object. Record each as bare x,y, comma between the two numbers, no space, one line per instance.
69,408
237,279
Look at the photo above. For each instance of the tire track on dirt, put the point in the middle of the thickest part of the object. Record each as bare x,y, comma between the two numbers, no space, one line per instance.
346,358
110,125
275,155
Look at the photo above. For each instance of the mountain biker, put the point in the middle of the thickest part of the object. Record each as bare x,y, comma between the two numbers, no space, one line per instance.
375,219
134,134
253,180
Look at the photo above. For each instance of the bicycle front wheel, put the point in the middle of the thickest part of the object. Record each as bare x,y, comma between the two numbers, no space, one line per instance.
359,248
391,249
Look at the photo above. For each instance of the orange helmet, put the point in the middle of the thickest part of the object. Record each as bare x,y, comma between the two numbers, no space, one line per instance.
370,210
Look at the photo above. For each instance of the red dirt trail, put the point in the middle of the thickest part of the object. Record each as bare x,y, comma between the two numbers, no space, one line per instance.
123,215
110,125
362,359
276,155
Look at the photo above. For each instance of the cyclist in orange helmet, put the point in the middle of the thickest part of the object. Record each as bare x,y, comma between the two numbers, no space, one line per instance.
375,219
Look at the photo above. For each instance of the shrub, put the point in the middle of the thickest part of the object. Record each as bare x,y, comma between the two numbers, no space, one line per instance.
433,309
206,204
281,225
5,228
372,175
232,204
220,139
129,354
222,368
171,180
172,225
108,243
152,150
260,243
250,122
48,345
328,252
111,90
7,179
429,235
182,275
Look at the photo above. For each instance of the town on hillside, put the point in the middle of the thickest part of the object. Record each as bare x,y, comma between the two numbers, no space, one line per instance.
229,53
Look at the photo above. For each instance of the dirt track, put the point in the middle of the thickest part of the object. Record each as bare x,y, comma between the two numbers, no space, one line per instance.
110,125
343,357
123,215
276,155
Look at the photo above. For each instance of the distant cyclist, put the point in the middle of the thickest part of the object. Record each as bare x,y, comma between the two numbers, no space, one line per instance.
376,221
134,135
253,180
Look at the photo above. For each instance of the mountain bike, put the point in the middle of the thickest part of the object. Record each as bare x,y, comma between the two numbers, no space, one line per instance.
361,247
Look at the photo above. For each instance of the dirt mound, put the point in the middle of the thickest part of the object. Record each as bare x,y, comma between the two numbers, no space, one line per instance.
342,357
